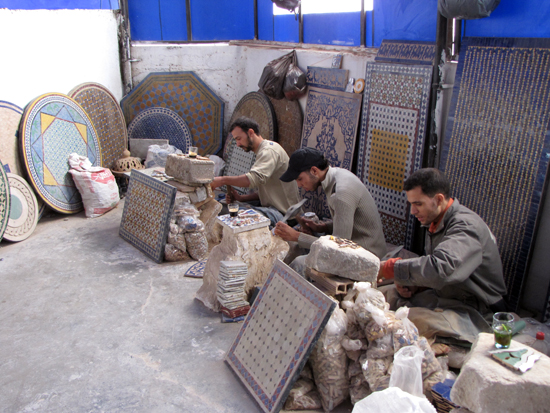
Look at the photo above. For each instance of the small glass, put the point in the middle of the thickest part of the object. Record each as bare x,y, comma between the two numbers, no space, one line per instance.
503,324
233,209
193,151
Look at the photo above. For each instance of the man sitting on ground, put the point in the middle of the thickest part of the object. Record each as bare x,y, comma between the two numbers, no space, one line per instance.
271,162
354,213
457,285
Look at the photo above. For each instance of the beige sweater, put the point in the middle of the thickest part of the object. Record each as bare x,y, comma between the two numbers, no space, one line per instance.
271,162
354,212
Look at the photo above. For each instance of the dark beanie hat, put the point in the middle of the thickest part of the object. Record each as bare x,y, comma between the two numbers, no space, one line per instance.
300,161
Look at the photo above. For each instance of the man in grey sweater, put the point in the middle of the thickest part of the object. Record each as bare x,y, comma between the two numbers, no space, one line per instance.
354,213
453,290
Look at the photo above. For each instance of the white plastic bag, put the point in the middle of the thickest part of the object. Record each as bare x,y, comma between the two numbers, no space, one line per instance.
407,370
157,154
96,185
219,164
393,400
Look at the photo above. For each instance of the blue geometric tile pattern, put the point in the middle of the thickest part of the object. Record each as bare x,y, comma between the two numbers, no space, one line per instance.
497,143
147,211
330,125
187,95
257,106
196,270
277,336
161,123
4,200
391,140
327,78
406,51
52,127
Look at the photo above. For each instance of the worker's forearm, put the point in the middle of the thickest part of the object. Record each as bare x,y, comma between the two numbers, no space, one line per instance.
241,180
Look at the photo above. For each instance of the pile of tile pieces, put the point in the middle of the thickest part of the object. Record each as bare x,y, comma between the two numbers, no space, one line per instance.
230,291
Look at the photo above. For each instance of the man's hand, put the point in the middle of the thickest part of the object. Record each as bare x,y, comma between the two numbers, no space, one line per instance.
320,227
405,291
233,196
217,182
286,232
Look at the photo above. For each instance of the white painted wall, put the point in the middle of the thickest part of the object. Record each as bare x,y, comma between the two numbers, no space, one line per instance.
232,71
44,51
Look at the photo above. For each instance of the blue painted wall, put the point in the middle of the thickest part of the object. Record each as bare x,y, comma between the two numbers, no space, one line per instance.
513,18
59,4
404,20
222,19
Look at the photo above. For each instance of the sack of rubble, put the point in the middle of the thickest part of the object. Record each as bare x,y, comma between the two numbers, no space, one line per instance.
329,362
97,186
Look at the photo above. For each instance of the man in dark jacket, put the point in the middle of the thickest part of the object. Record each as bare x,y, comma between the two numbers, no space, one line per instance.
457,285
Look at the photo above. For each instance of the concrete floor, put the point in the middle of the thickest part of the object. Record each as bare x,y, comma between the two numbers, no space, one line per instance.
89,323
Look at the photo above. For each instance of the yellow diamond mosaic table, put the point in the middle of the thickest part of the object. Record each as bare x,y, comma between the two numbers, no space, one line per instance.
52,127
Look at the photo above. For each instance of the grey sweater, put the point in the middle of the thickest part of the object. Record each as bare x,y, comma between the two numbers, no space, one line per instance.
353,210
462,261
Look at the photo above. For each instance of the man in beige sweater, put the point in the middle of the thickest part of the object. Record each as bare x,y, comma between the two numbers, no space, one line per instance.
354,212
271,162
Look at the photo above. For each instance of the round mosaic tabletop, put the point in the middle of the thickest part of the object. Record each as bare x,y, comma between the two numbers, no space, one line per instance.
10,116
107,118
54,126
23,210
254,105
4,200
289,123
161,123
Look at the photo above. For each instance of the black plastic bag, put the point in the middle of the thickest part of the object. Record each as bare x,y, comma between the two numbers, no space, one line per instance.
289,5
295,82
466,9
274,74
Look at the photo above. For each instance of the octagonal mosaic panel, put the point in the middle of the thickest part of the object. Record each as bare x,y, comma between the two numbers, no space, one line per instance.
187,95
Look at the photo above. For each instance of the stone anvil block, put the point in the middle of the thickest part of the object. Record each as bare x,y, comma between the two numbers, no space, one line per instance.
344,258
484,385
193,171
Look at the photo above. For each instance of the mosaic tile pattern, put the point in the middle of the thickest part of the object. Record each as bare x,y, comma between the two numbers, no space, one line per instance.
4,200
161,123
257,106
391,140
327,78
289,123
187,95
107,118
497,143
24,211
10,116
330,125
277,336
196,270
406,51
54,126
145,220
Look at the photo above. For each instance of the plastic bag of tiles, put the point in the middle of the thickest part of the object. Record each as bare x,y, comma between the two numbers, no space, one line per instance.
329,362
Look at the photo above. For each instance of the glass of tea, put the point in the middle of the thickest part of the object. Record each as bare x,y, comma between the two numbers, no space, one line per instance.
233,209
503,324
193,151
